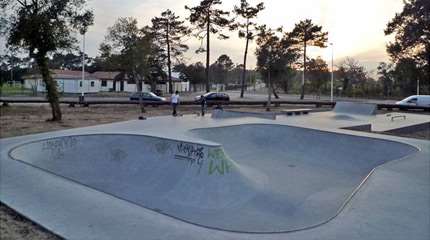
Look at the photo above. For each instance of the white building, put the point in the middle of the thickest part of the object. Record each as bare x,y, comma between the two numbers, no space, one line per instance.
71,82
67,82
115,82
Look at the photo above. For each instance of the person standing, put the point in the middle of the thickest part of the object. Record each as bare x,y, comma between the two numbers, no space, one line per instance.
203,103
175,102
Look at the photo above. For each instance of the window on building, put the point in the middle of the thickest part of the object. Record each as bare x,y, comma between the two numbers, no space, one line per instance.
104,83
80,84
92,83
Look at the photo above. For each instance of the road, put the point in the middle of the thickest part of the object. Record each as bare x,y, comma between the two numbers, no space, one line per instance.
234,95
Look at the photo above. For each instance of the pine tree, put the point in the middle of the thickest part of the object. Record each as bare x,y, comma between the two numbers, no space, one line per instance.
209,20
307,34
247,30
169,32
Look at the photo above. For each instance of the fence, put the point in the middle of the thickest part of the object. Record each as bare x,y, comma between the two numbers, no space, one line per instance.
318,104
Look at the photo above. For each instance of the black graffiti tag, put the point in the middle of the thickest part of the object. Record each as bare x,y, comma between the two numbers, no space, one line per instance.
190,153
56,147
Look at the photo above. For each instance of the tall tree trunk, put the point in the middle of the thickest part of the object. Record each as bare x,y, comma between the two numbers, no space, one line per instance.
169,62
302,95
345,86
269,92
208,52
427,81
244,62
153,85
285,85
275,93
139,86
51,87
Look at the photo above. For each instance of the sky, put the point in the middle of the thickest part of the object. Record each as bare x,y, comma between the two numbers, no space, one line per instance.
356,27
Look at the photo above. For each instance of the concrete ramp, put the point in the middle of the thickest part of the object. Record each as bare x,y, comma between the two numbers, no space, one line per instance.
345,109
256,178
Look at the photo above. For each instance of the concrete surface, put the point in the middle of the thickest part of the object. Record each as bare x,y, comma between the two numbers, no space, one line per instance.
222,114
201,178
393,121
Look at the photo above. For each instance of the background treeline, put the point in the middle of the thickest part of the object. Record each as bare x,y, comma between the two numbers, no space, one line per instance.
151,53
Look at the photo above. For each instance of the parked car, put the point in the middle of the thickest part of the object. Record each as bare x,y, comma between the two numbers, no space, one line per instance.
146,96
215,96
416,100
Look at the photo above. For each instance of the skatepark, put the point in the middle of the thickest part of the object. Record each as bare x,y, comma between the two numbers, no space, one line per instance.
229,176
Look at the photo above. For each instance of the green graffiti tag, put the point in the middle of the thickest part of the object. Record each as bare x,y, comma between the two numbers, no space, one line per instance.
218,162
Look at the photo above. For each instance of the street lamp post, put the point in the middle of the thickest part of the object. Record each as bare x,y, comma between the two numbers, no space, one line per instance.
418,87
83,62
332,73
269,91
269,87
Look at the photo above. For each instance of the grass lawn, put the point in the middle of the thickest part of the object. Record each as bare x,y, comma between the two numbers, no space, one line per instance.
14,90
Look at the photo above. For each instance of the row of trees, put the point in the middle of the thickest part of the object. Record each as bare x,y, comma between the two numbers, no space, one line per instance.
208,19
224,72
409,68
45,27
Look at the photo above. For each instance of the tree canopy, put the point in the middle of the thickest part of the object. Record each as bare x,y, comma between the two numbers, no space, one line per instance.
195,73
43,27
221,69
131,49
318,74
46,26
411,29
275,55
69,61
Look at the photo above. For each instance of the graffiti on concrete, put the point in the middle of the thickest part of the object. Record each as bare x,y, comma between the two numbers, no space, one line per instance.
218,162
56,147
190,153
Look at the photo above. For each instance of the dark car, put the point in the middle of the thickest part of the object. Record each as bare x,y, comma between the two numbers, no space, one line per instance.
215,97
146,96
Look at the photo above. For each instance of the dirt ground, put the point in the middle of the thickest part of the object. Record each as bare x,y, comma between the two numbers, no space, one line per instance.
17,120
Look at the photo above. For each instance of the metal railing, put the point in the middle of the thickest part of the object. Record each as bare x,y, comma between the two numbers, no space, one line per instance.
318,104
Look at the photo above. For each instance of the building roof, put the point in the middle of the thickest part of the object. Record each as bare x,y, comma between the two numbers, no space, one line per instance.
62,74
106,75
101,75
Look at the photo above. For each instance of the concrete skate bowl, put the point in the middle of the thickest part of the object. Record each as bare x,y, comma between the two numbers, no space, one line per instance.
310,174
281,179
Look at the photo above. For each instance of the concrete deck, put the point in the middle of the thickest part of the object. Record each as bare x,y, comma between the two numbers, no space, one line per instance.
191,177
